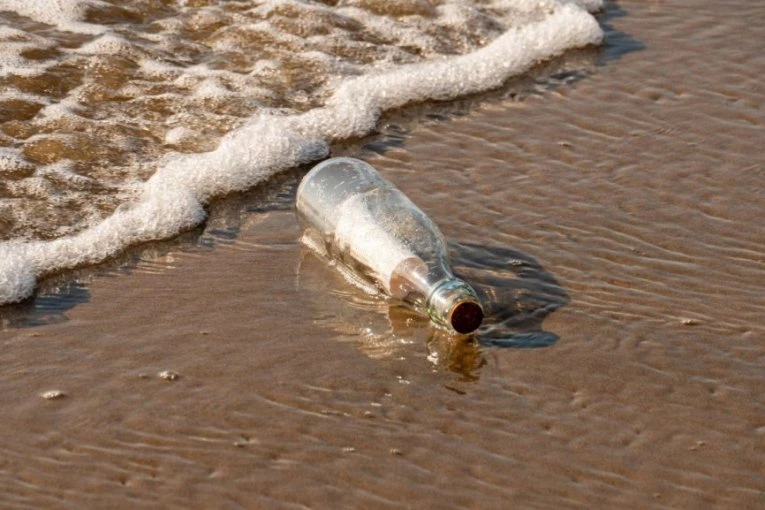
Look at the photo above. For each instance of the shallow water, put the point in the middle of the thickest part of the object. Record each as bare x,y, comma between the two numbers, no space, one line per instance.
620,211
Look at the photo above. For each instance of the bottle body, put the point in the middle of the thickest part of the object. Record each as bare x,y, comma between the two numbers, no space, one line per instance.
355,217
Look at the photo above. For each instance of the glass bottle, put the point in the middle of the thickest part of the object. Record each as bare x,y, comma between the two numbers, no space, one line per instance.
377,237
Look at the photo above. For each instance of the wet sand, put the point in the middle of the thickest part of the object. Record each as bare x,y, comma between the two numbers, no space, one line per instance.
231,369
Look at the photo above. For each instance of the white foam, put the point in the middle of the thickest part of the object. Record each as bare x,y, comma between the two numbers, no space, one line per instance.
64,171
12,161
156,68
64,14
12,46
180,134
34,186
108,44
160,213
15,95
172,199
211,88
17,278
7,33
386,28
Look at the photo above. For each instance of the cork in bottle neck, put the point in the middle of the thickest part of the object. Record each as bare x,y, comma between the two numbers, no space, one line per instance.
455,305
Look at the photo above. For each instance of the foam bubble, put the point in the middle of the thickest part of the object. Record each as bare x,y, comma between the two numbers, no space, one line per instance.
108,44
355,107
34,187
12,61
244,158
179,135
12,162
64,14
160,213
211,89
63,171
17,274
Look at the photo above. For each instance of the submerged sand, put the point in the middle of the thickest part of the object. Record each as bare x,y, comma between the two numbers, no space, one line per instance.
231,369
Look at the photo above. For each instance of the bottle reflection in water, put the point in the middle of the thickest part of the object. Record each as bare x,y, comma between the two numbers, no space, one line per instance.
378,238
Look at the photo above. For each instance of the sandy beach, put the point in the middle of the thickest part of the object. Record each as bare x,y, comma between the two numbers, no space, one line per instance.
611,214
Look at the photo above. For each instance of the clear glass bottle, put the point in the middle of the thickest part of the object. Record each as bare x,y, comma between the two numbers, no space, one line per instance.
378,237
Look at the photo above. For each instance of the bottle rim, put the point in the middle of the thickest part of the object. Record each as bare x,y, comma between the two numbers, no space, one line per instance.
455,305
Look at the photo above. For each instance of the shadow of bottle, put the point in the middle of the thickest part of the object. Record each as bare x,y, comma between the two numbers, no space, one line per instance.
517,294
516,291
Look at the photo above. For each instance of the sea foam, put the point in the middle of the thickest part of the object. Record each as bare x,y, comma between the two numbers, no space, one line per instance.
64,14
173,199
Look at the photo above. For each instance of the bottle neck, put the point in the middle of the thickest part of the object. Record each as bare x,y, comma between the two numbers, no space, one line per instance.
454,305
